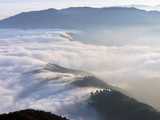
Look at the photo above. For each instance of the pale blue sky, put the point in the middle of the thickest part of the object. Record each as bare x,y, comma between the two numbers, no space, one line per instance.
11,7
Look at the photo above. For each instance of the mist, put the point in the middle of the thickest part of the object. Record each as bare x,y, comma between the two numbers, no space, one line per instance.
130,60
127,58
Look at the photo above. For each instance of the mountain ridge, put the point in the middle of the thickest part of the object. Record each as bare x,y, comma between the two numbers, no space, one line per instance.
82,18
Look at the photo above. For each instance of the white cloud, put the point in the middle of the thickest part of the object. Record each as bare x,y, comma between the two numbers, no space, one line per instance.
134,67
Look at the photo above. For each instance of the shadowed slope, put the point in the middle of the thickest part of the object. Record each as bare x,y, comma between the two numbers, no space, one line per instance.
30,115
113,105
81,17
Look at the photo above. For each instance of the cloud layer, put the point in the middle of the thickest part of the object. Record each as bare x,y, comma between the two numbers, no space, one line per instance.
133,67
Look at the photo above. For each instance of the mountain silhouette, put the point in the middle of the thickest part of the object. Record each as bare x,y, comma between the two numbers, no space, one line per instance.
30,114
113,105
82,18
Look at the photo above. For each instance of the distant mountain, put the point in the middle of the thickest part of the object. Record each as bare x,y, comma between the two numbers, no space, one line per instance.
30,115
82,17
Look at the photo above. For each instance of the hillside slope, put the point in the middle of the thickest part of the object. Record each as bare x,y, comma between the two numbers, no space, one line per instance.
113,105
81,17
30,115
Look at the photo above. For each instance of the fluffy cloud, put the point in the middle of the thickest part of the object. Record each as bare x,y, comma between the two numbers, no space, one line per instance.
133,67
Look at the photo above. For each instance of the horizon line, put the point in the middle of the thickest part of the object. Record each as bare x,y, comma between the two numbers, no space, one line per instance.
120,6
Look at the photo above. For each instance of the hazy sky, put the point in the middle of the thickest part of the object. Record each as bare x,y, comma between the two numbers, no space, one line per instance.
11,7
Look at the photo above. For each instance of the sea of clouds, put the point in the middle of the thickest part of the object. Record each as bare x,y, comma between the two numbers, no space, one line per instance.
133,67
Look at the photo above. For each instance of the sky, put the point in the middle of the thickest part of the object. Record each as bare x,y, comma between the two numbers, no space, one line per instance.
12,7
